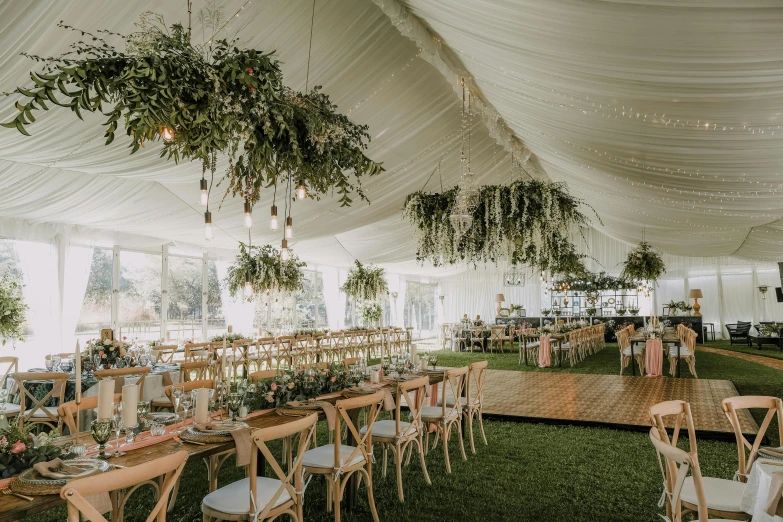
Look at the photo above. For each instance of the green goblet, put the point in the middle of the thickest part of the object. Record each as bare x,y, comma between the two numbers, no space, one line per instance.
233,403
101,433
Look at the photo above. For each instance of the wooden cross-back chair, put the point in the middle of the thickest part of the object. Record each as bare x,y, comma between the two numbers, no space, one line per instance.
300,350
723,497
624,345
37,412
731,405
445,417
267,353
11,365
262,375
269,498
337,462
687,351
164,354
474,399
197,352
240,349
194,371
397,435
285,346
67,410
121,484
120,374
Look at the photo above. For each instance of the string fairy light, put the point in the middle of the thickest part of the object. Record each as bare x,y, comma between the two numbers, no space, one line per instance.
385,83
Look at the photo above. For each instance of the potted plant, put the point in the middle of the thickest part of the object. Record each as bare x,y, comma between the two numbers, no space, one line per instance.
591,311
558,313
634,311
621,311
546,312
672,307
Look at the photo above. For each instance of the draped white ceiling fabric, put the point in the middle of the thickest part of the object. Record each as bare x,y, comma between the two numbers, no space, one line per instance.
624,101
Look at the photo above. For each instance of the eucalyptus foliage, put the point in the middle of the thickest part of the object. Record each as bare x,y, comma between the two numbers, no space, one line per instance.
643,264
12,309
215,98
592,282
365,282
526,222
268,273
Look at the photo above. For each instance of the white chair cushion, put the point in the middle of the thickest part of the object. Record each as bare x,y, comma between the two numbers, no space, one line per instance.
386,428
534,344
234,499
450,402
162,400
636,351
722,494
323,456
683,352
435,412
40,414
10,408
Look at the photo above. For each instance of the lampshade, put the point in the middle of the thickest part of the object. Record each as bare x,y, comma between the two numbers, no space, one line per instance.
695,294
499,298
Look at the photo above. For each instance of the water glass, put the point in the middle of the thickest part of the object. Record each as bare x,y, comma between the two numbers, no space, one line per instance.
187,401
176,393
55,362
49,364
101,433
157,429
118,427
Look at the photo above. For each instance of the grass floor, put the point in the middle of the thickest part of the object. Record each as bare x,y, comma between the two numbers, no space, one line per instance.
528,472
766,351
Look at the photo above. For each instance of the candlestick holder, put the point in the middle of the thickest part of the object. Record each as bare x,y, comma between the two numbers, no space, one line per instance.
101,432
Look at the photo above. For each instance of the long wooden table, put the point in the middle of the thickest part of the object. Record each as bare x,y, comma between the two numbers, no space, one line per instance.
13,508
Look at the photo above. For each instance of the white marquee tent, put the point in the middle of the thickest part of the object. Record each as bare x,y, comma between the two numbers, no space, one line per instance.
660,115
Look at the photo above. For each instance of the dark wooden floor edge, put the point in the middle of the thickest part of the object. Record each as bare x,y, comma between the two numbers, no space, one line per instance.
702,434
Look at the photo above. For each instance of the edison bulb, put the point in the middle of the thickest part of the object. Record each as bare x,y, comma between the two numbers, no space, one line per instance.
248,288
208,232
301,191
204,197
273,224
167,134
284,255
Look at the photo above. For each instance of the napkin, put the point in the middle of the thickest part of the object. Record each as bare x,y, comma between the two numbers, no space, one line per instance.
57,469
774,503
242,442
327,408
775,453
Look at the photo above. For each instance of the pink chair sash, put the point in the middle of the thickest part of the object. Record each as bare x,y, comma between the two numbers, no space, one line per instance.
654,358
544,352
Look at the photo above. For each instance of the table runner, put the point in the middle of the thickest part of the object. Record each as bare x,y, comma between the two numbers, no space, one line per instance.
544,352
654,358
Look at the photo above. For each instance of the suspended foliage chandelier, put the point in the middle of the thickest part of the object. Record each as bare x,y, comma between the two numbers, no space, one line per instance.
467,198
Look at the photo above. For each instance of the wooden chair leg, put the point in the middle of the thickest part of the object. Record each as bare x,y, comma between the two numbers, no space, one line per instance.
420,444
385,458
470,431
370,496
458,424
481,425
398,451
446,448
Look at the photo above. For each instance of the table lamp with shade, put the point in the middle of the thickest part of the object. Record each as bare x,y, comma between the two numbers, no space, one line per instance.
499,299
696,294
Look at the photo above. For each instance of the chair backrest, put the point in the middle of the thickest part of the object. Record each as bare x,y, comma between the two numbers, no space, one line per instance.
193,371
475,386
197,352
67,410
350,361
773,405
75,492
456,378
13,367
413,392
190,386
290,482
675,465
260,376
363,443
119,375
497,332
164,353
29,409
681,411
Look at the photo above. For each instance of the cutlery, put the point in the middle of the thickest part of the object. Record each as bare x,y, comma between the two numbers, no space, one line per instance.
176,437
23,497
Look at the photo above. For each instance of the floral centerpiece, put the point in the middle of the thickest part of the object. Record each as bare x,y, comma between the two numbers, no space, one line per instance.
771,330
634,311
12,309
643,264
230,337
546,311
108,349
299,385
370,313
265,270
20,450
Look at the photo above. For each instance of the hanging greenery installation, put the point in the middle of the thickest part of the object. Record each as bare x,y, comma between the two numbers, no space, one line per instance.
525,222
267,272
365,282
643,264
203,100
12,309
592,282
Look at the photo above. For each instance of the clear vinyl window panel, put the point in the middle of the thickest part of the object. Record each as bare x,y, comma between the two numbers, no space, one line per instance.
140,295
96,306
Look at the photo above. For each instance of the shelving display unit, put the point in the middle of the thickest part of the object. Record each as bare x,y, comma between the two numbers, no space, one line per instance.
575,303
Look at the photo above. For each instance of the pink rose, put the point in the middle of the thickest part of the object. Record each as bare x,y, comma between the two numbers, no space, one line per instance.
333,379
18,447
273,386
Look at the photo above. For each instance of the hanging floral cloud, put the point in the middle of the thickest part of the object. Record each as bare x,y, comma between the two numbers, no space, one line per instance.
365,282
268,273
643,264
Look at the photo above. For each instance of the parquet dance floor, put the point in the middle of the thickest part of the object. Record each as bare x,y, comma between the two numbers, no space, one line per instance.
607,399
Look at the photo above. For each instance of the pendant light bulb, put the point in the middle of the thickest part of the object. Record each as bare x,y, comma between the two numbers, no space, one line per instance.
204,193
289,227
285,254
273,220
301,190
168,134
248,215
248,286
208,226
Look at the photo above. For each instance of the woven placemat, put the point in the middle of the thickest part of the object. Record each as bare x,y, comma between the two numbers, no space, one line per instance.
206,438
25,488
302,410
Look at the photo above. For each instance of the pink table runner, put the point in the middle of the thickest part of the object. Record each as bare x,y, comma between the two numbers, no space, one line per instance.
654,358
544,352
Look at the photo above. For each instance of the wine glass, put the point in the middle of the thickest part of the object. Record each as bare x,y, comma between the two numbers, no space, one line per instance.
386,365
186,401
118,426
49,364
433,361
143,359
101,433
96,360
55,362
177,392
234,402
143,409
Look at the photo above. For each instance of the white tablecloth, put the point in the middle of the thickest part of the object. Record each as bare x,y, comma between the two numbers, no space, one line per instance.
754,500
